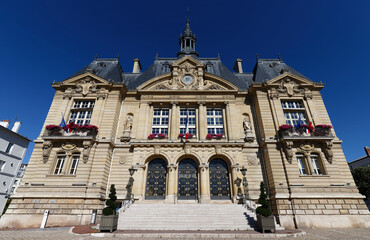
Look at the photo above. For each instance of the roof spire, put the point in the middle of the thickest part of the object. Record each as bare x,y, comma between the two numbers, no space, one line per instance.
187,41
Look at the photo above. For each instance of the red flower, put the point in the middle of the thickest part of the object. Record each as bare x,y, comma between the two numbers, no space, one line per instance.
161,135
285,127
151,136
324,126
209,136
181,135
53,127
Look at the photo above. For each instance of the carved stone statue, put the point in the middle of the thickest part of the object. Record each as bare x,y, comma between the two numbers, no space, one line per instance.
128,123
46,149
247,125
86,152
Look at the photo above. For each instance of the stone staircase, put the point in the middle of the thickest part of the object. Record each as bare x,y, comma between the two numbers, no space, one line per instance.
186,217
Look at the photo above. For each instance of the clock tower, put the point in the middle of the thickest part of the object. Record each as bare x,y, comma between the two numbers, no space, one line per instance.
187,42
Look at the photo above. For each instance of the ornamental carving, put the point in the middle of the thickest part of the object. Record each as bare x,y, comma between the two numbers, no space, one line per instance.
46,149
85,86
328,151
289,87
68,148
86,152
122,160
288,147
253,160
307,147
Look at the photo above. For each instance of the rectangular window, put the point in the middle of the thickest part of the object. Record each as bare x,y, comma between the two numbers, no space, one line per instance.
294,111
160,121
215,123
59,164
2,164
187,116
74,165
9,148
316,164
81,112
301,164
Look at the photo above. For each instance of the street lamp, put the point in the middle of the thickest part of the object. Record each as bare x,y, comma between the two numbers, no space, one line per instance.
130,183
243,170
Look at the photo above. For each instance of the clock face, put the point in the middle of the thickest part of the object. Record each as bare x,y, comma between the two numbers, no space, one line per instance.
187,79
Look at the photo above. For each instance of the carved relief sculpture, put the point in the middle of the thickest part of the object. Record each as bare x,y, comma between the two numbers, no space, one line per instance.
46,149
86,152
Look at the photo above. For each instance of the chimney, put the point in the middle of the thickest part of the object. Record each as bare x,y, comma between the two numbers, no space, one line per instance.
367,150
238,68
16,126
4,123
137,66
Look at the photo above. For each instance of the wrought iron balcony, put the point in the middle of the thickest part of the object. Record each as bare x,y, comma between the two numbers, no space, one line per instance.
71,132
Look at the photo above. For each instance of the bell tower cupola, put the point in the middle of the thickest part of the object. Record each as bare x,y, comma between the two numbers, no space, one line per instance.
187,42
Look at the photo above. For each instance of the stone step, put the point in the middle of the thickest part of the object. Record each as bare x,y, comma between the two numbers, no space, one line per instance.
186,217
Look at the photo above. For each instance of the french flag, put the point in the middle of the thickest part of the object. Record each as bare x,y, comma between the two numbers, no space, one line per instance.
187,125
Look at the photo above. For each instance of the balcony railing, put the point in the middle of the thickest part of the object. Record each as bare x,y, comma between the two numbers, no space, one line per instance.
320,131
71,131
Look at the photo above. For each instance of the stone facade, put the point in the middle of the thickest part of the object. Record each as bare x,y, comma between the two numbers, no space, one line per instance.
69,173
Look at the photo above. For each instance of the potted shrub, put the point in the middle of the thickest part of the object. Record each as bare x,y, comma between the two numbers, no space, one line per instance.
162,136
285,130
322,130
109,219
91,130
53,130
265,219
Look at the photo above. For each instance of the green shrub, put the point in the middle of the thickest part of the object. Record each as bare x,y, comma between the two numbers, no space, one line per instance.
361,175
264,209
111,202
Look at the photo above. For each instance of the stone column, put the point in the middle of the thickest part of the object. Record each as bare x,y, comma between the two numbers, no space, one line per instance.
202,121
234,175
138,188
204,184
174,126
171,184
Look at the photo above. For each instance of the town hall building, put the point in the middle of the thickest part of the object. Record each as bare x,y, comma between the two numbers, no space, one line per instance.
187,126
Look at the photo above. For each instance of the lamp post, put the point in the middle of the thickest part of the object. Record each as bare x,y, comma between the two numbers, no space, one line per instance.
130,183
243,170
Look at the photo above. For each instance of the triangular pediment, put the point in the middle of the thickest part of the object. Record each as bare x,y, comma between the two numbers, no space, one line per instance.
187,74
86,77
290,77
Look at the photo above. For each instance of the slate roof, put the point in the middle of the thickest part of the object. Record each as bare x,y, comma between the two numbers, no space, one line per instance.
108,69
264,70
267,69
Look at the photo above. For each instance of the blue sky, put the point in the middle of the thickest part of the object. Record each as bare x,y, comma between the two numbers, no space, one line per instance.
328,41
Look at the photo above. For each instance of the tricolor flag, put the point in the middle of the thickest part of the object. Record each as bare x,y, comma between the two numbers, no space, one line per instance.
63,122
187,124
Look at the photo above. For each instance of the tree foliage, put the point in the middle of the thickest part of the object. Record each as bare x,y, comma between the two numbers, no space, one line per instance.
111,202
361,175
264,209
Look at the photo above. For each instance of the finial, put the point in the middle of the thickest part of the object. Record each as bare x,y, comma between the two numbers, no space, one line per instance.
187,15
257,57
118,56
279,57
218,55
156,56
96,56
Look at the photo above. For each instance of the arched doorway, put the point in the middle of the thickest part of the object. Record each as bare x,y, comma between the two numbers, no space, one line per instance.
188,180
156,179
219,179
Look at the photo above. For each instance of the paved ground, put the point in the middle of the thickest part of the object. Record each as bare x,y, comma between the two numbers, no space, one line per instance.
65,233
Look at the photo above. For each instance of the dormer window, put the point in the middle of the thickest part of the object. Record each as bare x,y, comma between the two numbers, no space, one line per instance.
166,68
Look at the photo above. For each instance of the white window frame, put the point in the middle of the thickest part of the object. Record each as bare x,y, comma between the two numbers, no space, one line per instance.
292,111
316,164
60,162
74,164
160,120
81,112
215,116
302,166
184,112
9,148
